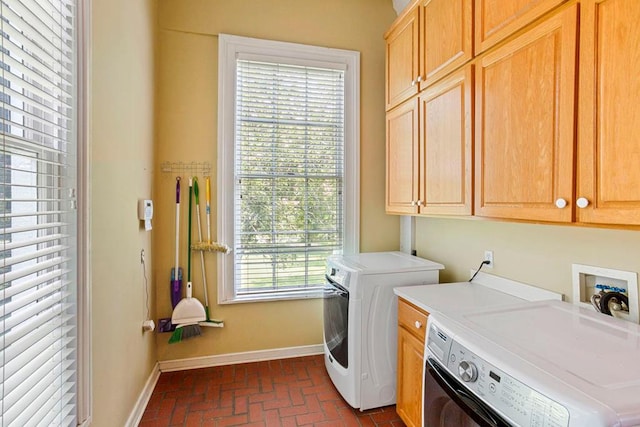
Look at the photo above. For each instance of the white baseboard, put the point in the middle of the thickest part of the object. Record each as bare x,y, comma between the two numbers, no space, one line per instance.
235,358
143,399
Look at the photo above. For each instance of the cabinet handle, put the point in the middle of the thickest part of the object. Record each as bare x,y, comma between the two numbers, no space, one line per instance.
413,82
419,202
582,202
561,203
419,79
413,203
418,324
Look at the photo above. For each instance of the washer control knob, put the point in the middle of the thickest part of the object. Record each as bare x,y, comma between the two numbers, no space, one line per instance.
561,203
582,202
467,371
418,324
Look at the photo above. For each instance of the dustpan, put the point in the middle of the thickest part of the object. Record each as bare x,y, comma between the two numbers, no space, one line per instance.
188,311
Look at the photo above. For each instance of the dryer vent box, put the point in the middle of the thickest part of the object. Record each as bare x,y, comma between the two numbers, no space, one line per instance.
589,281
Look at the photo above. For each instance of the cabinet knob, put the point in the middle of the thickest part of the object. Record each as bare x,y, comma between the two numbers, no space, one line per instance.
419,203
561,203
413,82
418,324
413,203
419,79
582,202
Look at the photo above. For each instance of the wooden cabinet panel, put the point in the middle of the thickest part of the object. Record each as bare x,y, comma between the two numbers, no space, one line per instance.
609,112
525,108
410,363
412,319
446,42
446,139
410,370
497,19
402,62
402,158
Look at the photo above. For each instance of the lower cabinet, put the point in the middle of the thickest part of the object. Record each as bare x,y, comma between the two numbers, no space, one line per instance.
412,323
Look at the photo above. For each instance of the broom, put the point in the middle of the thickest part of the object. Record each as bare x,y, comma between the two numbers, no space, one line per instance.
189,311
208,246
208,322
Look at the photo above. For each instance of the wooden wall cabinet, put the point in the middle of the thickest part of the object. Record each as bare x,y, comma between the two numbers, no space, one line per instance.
446,38
609,113
402,63
525,109
495,20
402,159
412,323
446,143
429,149
431,39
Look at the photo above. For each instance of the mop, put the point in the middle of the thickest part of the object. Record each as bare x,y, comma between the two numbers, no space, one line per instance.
189,311
208,322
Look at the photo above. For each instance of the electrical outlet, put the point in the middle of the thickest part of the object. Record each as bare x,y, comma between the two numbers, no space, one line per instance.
488,256
141,256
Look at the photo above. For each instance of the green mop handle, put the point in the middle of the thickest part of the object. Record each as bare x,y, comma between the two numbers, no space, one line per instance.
189,233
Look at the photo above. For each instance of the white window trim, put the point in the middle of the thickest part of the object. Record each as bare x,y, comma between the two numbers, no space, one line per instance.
84,320
228,49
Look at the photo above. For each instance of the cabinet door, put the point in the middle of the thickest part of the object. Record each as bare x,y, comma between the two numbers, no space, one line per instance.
402,158
446,139
525,123
609,112
410,372
497,19
446,42
402,65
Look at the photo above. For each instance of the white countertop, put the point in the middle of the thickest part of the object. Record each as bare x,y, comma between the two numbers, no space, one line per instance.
449,297
484,292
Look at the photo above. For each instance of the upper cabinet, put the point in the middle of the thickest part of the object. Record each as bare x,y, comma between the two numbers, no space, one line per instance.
402,64
546,101
446,37
431,39
497,19
402,159
525,96
609,113
446,138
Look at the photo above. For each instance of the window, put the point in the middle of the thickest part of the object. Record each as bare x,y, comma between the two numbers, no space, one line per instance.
38,215
287,166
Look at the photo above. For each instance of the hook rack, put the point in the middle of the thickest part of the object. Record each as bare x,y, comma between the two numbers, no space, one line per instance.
189,168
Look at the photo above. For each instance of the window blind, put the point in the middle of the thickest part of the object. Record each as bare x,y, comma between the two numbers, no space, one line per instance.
38,217
289,175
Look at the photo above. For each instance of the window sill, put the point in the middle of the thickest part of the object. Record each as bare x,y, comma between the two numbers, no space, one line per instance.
272,297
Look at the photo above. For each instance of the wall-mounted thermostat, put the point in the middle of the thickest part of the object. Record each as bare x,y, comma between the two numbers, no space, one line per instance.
145,212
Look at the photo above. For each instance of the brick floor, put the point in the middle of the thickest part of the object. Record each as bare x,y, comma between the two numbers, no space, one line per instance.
288,392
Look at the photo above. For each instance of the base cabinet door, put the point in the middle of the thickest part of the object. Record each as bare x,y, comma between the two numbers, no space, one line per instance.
525,133
410,372
412,323
609,113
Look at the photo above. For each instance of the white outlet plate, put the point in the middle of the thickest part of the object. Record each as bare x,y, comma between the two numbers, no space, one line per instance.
488,256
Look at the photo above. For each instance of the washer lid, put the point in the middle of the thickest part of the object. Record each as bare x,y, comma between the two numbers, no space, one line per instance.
384,262
594,353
